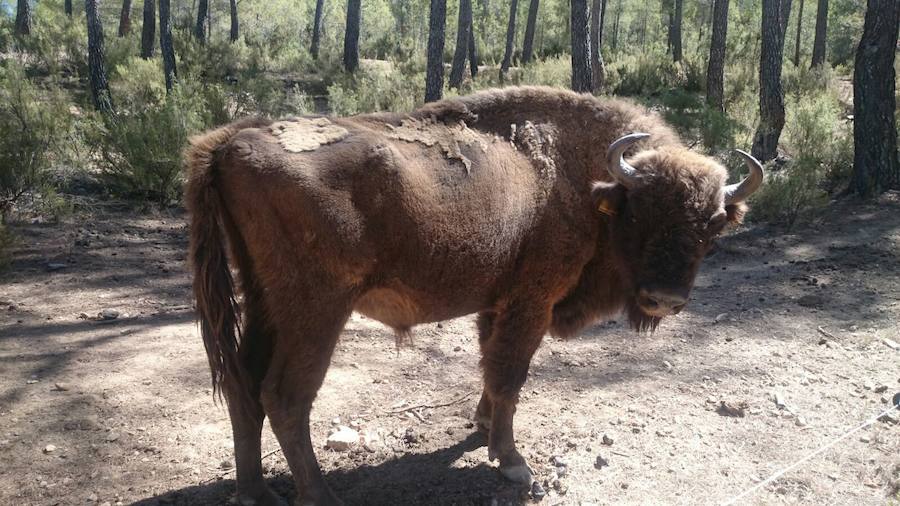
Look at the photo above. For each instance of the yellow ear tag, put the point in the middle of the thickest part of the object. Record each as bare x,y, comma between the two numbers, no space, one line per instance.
606,208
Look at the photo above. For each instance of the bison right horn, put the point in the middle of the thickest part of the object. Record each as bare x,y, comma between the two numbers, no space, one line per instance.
738,192
618,168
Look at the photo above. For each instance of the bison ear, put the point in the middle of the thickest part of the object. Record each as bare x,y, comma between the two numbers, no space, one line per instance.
736,213
608,197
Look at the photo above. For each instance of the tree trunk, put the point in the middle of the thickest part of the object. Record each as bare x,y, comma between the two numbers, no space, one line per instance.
676,31
23,18
598,69
771,95
68,8
125,19
615,37
818,55
200,28
875,163
235,26
715,71
434,71
148,29
165,44
785,16
581,47
510,40
317,30
528,44
351,36
99,84
799,30
473,51
463,25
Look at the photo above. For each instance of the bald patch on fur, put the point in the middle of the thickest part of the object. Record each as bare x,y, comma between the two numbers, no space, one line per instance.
306,134
450,137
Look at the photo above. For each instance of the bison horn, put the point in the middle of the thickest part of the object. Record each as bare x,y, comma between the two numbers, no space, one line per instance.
619,169
738,192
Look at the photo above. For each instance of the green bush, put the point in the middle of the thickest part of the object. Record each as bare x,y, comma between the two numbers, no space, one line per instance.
56,45
821,153
377,86
140,149
36,137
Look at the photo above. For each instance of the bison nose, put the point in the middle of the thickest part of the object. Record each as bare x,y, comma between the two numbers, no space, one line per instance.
662,302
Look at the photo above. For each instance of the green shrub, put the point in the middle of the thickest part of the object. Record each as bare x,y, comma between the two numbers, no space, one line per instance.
821,153
377,86
57,44
36,136
553,71
141,149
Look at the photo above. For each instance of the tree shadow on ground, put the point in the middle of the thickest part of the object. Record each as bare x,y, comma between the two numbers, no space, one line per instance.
413,478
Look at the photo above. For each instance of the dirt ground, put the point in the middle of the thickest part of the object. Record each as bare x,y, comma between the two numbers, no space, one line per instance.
119,411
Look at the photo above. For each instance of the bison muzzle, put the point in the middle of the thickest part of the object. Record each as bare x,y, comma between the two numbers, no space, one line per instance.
540,210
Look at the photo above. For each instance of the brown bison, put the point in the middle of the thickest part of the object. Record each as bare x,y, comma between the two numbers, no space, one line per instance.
516,204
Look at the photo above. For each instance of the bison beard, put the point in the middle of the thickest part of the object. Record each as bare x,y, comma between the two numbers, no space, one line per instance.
487,204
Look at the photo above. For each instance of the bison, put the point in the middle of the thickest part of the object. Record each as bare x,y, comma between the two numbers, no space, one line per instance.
541,210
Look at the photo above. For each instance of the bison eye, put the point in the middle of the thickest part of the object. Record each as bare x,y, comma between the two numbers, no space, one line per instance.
715,224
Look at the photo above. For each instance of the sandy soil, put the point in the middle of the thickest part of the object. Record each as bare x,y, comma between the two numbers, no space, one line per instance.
120,411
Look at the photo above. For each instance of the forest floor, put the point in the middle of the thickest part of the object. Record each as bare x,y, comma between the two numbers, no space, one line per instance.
120,411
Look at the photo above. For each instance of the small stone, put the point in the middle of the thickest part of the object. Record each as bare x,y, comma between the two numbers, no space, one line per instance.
800,422
571,443
779,400
342,439
667,365
60,387
864,439
558,461
49,449
112,436
600,462
108,314
537,491
890,343
721,317
93,497
53,266
880,389
226,464
31,381
457,348
561,471
608,441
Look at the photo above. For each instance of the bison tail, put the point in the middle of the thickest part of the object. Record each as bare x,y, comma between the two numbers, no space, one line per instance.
218,311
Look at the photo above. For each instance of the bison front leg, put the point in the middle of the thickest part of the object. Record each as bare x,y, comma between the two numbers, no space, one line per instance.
506,355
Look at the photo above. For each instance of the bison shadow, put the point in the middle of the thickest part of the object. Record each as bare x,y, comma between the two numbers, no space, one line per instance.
413,478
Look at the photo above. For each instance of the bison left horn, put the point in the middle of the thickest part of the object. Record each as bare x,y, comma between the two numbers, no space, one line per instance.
738,192
619,169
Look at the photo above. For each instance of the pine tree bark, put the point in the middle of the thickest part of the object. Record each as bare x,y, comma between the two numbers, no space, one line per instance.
473,50
235,32
715,70
463,25
799,31
200,28
23,18
581,47
818,55
97,69
615,36
148,29
875,160
317,30
531,23
598,69
125,18
678,16
67,6
771,94
434,70
351,36
165,44
510,40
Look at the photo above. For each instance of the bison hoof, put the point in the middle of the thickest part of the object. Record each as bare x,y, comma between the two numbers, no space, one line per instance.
519,473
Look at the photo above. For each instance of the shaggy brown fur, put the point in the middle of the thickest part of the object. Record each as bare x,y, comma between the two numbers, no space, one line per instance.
484,204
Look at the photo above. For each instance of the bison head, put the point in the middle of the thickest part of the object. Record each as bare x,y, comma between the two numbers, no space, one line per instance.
666,208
